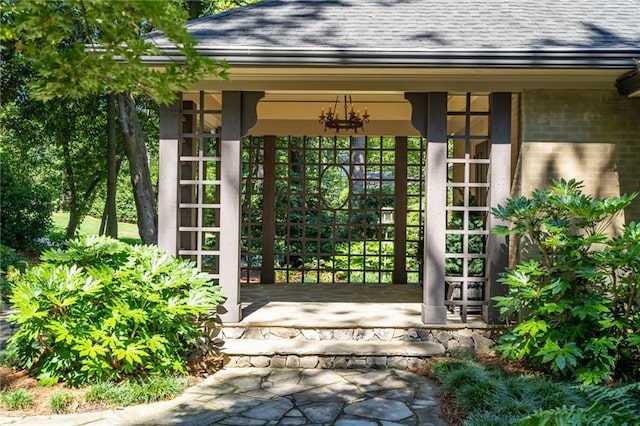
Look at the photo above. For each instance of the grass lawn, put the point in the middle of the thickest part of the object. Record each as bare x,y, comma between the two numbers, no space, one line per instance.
127,232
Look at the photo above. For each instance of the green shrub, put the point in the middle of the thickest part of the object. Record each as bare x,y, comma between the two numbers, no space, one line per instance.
578,297
101,310
25,208
20,399
60,401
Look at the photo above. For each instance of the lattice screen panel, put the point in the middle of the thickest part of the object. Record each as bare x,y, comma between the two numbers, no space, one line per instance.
199,206
467,208
334,209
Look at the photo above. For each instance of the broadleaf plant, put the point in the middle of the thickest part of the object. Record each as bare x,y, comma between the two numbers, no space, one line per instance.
576,296
101,310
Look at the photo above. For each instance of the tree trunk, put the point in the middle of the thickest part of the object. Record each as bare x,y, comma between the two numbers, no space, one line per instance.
136,151
73,193
112,169
195,8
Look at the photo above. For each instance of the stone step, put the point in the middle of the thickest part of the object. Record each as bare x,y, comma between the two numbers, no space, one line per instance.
280,353
478,339
387,334
329,347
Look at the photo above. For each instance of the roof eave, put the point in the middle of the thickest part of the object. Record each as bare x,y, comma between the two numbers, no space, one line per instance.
533,58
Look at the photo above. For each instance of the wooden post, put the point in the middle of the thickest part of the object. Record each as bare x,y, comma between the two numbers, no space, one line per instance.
434,310
267,274
400,213
499,191
230,233
168,183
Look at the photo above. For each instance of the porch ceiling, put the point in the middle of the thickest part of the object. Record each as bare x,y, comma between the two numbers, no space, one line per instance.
297,114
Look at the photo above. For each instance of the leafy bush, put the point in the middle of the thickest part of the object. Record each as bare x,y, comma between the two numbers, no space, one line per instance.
102,309
578,297
25,208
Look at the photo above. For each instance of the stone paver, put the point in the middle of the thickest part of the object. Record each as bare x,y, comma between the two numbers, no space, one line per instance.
261,396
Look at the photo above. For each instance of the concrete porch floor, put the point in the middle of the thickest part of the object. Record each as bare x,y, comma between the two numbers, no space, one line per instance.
339,306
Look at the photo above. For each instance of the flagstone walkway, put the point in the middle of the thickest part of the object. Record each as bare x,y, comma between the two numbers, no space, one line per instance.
263,396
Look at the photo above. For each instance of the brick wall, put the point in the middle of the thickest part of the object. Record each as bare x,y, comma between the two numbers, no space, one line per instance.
593,136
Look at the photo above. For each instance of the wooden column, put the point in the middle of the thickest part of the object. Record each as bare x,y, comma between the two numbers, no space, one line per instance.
433,309
499,191
267,274
238,116
168,183
400,213
231,150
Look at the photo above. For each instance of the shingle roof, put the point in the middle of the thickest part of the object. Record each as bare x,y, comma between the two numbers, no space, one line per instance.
334,29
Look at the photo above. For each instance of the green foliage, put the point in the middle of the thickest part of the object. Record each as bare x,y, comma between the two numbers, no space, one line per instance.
20,399
136,391
9,358
491,397
60,401
578,296
55,36
25,208
618,406
211,7
11,257
10,260
58,143
101,310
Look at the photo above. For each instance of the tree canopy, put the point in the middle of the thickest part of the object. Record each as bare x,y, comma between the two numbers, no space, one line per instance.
88,47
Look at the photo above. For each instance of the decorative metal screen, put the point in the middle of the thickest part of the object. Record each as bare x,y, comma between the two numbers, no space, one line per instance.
467,208
199,207
333,205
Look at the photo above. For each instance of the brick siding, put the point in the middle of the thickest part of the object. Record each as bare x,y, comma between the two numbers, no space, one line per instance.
593,136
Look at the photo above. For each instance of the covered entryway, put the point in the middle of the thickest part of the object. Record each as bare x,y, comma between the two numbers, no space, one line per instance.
256,199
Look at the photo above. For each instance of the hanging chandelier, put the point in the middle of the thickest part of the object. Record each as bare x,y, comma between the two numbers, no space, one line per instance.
352,119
